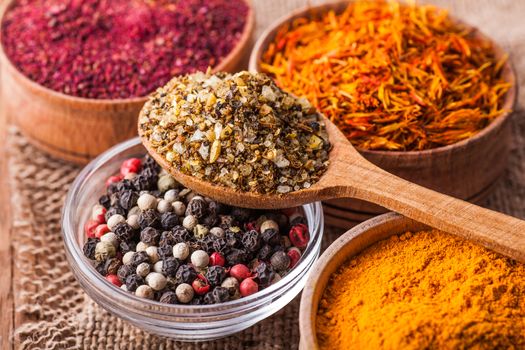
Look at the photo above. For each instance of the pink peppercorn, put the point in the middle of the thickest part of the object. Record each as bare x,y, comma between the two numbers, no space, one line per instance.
240,272
295,255
120,48
101,230
99,213
216,259
113,279
200,285
299,235
89,228
248,287
131,165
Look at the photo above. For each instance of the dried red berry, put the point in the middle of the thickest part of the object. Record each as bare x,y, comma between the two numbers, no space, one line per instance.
89,227
200,285
113,179
299,235
217,259
101,230
99,214
113,279
248,287
294,254
252,226
240,272
131,165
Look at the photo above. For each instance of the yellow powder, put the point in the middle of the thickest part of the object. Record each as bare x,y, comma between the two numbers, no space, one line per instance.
427,290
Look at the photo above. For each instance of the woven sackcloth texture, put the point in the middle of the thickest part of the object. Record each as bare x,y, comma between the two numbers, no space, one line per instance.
53,312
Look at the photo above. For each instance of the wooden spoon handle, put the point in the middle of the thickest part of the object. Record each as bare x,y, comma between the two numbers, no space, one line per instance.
499,232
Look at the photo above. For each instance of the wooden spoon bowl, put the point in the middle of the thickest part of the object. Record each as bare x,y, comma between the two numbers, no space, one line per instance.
465,170
348,245
78,129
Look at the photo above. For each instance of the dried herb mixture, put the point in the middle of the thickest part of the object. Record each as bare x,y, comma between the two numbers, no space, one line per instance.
239,131
392,76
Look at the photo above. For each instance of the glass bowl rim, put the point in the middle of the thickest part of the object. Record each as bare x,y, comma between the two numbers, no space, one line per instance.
111,291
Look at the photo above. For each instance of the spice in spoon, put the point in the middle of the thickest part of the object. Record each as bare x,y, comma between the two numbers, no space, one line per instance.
391,76
239,131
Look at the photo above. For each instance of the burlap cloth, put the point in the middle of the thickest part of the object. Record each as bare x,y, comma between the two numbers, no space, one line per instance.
53,312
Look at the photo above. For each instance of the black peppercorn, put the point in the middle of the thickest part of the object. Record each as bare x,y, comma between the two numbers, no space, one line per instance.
114,199
226,221
219,244
197,207
251,240
168,297
112,266
241,214
165,251
143,183
104,201
139,258
170,267
217,295
124,271
181,234
210,220
207,244
232,239
167,238
271,236
149,218
124,232
128,199
169,220
89,248
264,274
115,210
150,236
215,275
197,300
133,281
265,252
127,247
298,219
235,256
280,261
185,274
100,266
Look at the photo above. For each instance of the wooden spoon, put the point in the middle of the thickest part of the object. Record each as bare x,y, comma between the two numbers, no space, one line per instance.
351,175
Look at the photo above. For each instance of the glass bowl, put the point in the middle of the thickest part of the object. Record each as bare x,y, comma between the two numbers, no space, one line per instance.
181,322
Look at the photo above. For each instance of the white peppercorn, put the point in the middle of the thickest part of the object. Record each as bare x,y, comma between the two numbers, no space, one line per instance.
133,221
143,269
147,201
200,231
153,254
217,232
157,267
126,259
144,291
276,278
124,287
184,293
114,220
189,222
104,250
179,208
269,224
200,258
141,246
230,282
164,206
110,237
97,211
156,280
134,211
181,251
171,196
165,183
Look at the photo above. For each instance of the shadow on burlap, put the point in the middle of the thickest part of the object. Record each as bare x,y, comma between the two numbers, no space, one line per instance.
53,312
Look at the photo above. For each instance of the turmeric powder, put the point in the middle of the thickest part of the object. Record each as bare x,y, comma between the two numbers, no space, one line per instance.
427,290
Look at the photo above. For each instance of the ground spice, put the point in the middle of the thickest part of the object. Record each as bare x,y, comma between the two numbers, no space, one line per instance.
391,76
428,290
239,131
109,49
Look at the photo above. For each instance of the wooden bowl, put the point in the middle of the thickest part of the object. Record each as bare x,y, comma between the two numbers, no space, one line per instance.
349,244
78,129
466,169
